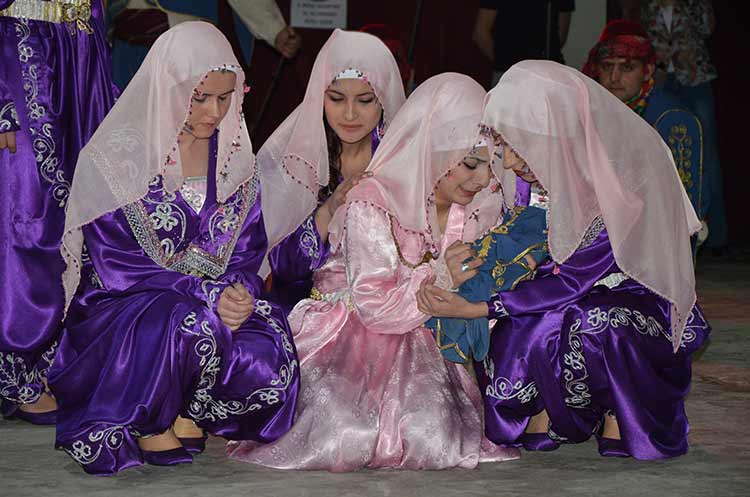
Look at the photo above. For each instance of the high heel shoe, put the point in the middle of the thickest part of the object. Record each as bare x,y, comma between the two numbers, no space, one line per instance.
194,445
538,442
169,457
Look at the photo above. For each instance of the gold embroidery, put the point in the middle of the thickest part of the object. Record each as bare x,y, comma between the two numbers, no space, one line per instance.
332,298
72,12
499,230
500,266
454,345
426,258
680,144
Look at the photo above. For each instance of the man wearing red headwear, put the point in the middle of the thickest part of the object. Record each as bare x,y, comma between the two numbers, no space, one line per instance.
623,61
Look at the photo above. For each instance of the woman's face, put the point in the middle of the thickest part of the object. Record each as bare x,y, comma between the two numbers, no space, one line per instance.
511,160
463,182
210,103
351,109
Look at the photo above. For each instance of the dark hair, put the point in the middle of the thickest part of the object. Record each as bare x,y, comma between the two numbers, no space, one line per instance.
334,157
333,143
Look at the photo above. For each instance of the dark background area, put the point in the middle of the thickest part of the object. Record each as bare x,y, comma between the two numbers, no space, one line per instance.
444,43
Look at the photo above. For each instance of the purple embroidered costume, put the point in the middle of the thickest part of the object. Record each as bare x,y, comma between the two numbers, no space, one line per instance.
608,325
143,341
582,339
55,89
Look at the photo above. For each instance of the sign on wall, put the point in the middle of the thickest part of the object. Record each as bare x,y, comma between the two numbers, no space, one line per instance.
319,14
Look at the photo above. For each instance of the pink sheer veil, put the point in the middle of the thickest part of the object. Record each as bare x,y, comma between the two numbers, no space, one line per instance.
138,139
433,131
596,157
293,162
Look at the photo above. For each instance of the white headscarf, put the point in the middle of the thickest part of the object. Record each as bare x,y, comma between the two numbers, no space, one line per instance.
436,128
596,157
138,139
293,161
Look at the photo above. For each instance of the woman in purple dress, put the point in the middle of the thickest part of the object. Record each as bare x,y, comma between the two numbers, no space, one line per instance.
599,342
165,336
320,151
55,89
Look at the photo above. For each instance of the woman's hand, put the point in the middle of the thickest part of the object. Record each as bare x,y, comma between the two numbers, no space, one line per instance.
235,306
461,271
339,195
436,302
8,140
326,211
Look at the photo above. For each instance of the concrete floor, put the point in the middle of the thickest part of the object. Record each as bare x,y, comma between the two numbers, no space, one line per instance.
718,464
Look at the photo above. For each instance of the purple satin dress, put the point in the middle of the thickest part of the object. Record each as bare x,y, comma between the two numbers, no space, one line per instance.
55,89
143,342
293,261
582,339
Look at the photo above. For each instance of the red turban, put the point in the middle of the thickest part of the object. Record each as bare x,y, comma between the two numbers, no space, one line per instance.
620,38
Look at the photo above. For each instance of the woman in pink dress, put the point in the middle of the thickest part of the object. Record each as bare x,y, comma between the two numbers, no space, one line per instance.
376,391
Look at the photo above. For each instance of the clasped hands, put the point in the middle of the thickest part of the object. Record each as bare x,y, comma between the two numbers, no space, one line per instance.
462,263
235,306
8,140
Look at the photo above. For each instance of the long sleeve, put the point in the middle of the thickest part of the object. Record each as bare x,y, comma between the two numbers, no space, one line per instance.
383,290
249,251
557,284
299,254
8,115
123,268
293,262
262,17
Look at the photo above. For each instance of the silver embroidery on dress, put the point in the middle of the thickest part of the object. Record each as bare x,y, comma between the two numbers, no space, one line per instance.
575,372
6,124
193,191
18,383
41,136
308,241
192,260
596,228
502,388
204,405
86,453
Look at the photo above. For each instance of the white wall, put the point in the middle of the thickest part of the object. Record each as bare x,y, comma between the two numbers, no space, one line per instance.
587,24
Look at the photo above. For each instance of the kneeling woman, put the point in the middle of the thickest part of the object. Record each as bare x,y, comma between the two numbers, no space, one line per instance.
376,391
165,233
600,341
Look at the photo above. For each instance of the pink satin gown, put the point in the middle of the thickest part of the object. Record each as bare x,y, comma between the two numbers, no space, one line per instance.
375,390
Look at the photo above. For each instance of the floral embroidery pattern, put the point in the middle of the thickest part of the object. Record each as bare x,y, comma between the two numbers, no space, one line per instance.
8,118
18,383
159,225
308,241
575,372
203,405
502,388
86,453
41,135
